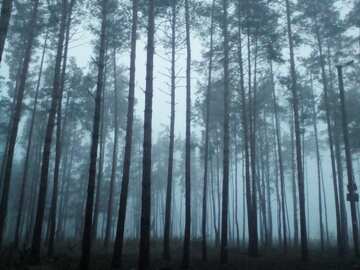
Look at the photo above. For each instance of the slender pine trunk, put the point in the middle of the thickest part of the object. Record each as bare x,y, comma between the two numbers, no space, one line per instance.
225,192
28,149
353,197
340,209
186,247
86,239
110,205
280,159
119,238
166,248
59,139
295,96
17,109
145,227
207,131
318,164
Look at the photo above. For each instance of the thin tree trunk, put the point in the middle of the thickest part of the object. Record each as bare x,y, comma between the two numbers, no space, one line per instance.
253,244
100,172
36,241
17,109
119,238
281,166
213,200
339,207
236,191
166,251
245,131
225,193
303,234
186,246
318,164
268,188
86,240
207,131
293,184
353,197
59,139
33,192
114,158
28,149
144,248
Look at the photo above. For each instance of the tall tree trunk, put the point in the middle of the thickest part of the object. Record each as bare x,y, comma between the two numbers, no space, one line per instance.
144,252
295,96
207,131
100,172
64,179
213,200
9,125
114,158
245,130
5,15
28,148
339,207
268,188
186,246
253,244
293,183
166,251
225,192
17,109
86,239
236,191
318,164
119,238
277,191
281,166
353,197
34,183
55,96
59,138
336,127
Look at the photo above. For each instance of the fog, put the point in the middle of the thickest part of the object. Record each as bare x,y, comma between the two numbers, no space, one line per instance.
179,133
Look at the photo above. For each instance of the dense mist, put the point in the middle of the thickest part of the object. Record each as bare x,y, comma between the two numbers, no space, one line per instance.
179,134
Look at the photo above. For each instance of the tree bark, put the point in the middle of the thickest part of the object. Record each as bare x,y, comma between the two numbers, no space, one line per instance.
16,114
225,192
244,121
55,96
318,164
119,238
186,246
114,158
353,197
59,139
144,248
280,159
303,233
340,209
86,240
100,172
28,148
166,251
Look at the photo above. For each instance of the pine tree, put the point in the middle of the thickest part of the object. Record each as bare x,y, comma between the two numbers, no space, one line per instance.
16,115
144,247
86,239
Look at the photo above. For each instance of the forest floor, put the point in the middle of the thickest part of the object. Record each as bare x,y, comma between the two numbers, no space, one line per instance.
67,258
